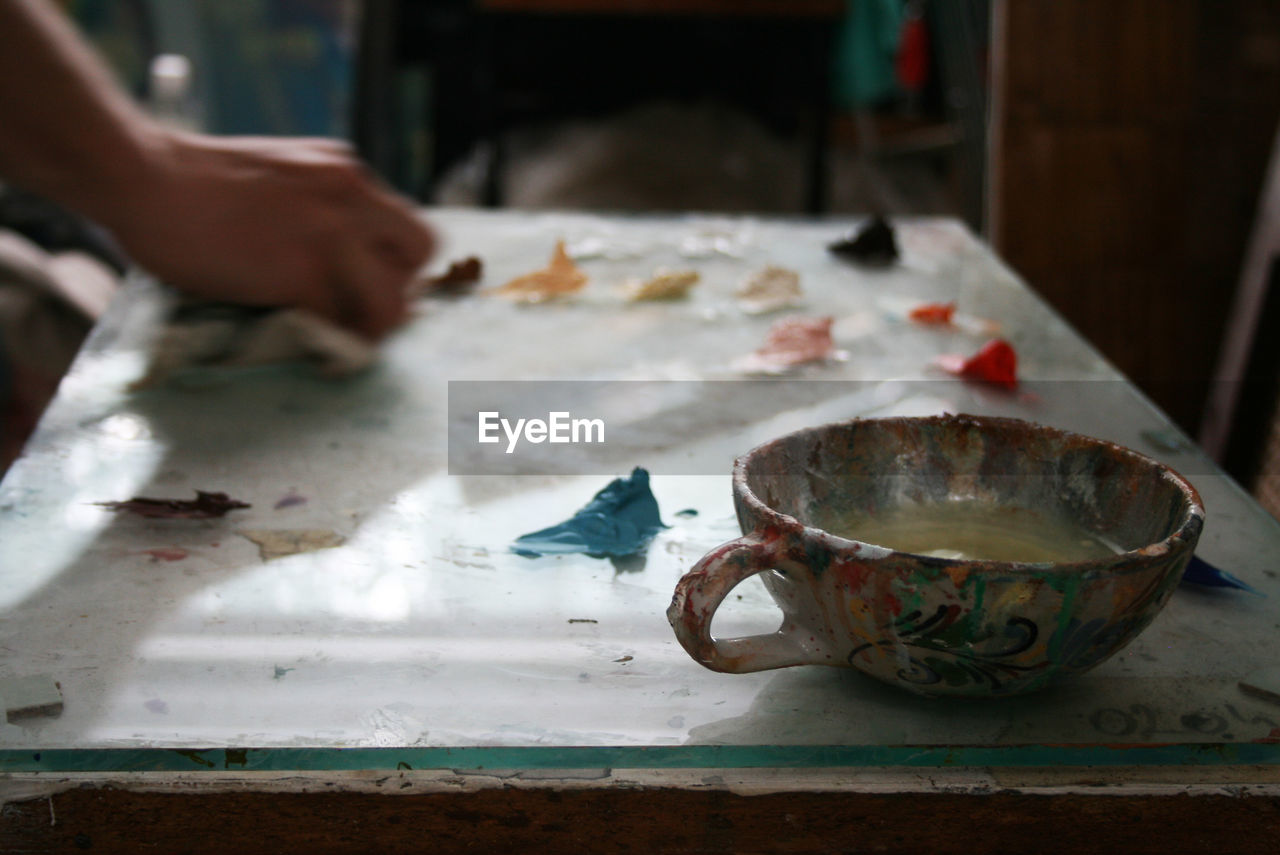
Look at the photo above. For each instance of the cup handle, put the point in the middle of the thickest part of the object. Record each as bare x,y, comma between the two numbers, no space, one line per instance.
704,588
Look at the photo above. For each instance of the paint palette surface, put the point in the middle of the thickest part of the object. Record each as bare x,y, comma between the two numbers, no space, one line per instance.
413,630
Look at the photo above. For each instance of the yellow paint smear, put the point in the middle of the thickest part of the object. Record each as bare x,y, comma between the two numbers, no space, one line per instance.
279,542
560,278
664,285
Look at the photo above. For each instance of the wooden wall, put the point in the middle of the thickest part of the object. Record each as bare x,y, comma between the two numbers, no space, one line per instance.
1130,140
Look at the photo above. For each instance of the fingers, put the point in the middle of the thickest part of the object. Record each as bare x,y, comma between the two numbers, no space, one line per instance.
298,222
386,245
400,231
378,248
330,169
380,210
372,205
376,244
288,148
370,289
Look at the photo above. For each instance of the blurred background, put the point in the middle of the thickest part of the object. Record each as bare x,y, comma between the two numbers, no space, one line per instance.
1115,153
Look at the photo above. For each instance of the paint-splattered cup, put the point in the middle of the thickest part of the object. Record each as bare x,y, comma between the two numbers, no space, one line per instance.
941,625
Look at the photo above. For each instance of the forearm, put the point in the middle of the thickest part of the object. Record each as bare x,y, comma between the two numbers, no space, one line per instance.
67,131
265,222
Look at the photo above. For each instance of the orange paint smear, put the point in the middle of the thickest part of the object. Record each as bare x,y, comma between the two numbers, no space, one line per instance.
560,278
958,575
933,314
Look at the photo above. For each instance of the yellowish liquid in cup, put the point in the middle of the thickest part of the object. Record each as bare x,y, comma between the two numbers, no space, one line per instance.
973,531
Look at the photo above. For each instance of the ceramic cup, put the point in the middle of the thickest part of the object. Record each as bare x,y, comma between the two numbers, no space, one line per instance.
936,625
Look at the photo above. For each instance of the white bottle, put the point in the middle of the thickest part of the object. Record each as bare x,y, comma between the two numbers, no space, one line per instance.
171,101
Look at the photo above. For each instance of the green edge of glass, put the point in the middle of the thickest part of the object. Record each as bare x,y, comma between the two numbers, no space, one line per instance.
510,759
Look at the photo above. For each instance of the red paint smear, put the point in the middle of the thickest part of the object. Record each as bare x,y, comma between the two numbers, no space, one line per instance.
855,573
772,534
894,604
996,362
166,553
933,313
797,340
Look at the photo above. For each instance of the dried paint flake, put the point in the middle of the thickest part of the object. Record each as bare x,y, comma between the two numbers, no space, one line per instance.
166,553
1265,684
933,314
1169,441
664,285
460,276
730,242
611,247
31,696
204,506
289,500
560,278
280,542
873,245
769,290
996,362
792,342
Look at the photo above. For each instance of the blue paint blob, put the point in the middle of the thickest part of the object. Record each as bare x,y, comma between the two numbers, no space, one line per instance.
1201,572
620,520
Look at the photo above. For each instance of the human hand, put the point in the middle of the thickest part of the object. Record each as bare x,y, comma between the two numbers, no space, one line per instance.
264,221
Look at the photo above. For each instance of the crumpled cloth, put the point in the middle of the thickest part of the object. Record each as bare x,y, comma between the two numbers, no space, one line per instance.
201,335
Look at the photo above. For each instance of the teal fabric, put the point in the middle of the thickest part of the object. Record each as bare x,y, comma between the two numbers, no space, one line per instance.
865,50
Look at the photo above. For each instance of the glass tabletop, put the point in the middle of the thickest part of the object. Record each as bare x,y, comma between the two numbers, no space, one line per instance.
415,638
